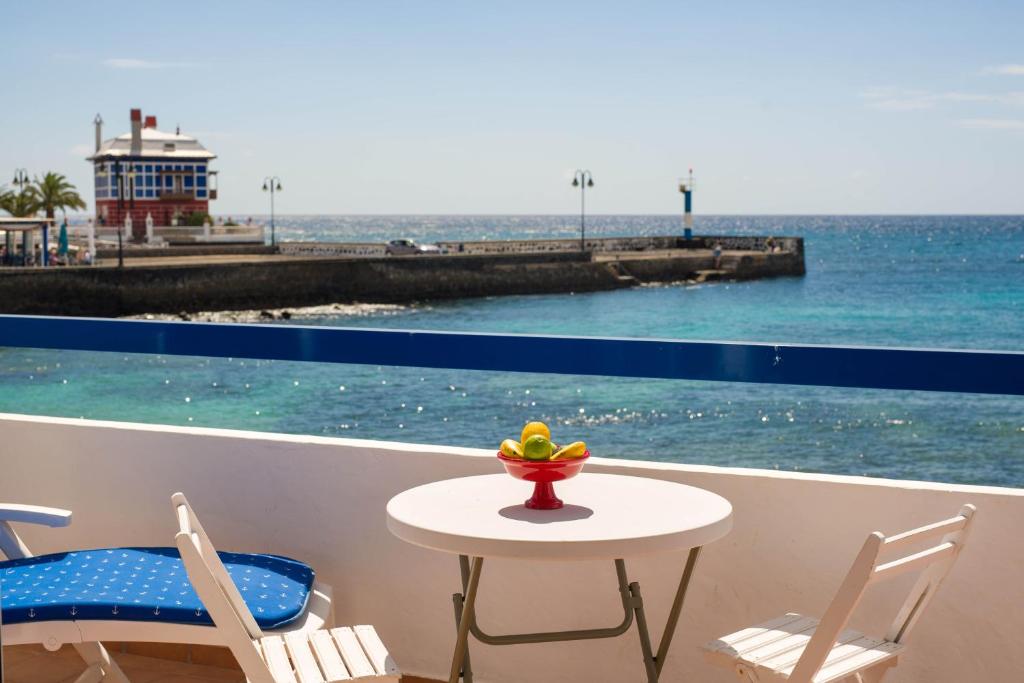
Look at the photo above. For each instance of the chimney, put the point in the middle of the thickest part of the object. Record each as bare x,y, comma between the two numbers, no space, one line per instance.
136,115
98,121
150,122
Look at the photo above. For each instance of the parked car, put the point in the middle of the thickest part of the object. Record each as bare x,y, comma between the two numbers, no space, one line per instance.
406,247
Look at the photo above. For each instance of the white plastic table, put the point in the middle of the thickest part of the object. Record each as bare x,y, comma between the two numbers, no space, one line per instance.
606,516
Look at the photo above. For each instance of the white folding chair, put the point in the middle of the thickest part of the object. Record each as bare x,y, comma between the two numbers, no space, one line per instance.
305,652
802,649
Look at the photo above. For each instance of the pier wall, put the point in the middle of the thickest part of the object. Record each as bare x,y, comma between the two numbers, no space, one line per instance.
275,282
745,266
106,291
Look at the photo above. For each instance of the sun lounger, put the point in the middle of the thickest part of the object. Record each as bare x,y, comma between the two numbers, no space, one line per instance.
268,610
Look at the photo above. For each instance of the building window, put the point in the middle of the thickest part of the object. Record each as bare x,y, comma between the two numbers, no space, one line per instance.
149,168
188,181
149,193
168,181
200,181
200,194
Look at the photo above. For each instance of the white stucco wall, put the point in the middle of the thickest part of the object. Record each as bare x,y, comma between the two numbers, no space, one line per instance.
323,500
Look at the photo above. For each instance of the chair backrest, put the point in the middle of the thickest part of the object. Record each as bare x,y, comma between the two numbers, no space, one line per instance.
218,592
933,563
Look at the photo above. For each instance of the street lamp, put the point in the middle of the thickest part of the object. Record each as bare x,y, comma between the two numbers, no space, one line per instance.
20,178
269,186
583,180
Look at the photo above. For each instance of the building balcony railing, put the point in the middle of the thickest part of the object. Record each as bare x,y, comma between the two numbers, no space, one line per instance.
171,196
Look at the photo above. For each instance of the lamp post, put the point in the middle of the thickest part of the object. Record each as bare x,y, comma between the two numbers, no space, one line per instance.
269,186
20,179
583,180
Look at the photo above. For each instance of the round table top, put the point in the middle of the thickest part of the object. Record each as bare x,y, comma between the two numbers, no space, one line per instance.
606,516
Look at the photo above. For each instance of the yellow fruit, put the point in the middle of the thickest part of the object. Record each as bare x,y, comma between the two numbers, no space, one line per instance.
532,428
537,447
573,450
511,448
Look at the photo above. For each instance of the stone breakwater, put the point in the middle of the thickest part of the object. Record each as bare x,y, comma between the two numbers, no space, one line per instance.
284,280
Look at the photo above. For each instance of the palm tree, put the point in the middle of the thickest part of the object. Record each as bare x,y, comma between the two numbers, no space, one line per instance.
55,192
20,204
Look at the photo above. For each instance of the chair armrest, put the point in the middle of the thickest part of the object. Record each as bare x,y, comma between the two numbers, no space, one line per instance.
34,514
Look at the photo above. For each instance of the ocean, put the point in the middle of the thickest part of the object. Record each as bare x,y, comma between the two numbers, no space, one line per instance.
917,281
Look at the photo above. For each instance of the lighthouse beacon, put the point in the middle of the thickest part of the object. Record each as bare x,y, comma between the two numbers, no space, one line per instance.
150,173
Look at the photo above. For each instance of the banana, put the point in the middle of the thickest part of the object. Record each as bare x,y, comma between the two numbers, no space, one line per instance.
574,450
511,448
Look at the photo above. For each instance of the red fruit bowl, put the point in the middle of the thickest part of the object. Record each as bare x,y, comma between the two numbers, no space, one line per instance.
543,474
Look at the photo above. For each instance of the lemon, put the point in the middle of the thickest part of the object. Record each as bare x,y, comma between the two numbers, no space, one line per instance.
537,447
511,448
573,450
532,428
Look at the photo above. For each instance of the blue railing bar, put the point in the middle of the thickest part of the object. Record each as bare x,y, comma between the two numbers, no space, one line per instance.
985,372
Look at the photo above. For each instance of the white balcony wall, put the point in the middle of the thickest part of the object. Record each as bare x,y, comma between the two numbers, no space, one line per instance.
323,500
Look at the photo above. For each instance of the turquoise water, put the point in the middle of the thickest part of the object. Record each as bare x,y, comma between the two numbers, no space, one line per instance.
936,281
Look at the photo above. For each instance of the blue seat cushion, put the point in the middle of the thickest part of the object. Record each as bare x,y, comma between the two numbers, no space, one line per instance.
145,584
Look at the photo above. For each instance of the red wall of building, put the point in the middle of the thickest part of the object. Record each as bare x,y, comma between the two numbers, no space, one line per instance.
161,211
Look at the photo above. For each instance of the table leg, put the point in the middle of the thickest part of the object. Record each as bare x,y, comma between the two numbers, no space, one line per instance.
459,599
677,608
461,640
645,637
633,604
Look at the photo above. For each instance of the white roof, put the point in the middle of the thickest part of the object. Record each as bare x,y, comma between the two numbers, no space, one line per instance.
155,143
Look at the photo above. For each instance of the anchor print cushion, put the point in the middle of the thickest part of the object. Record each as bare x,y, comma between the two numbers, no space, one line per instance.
145,584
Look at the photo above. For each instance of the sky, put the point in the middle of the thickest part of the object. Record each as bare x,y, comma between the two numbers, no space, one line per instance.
488,107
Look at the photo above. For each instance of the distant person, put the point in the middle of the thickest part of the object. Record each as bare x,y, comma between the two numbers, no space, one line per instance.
716,253
248,221
769,245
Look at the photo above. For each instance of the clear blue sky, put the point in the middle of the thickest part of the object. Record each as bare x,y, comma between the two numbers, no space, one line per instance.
486,107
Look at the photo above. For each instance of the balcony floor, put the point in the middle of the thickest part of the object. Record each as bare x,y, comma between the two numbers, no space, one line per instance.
33,664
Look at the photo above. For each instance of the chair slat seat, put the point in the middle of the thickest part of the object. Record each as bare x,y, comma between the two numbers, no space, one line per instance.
341,654
771,650
800,649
